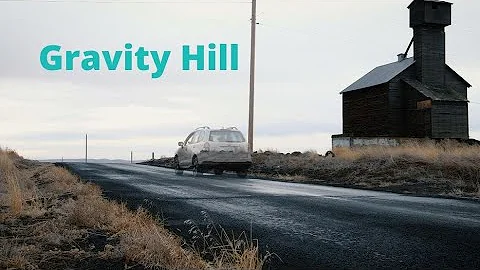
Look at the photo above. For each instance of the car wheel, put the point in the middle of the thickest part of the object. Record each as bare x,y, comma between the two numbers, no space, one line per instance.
178,170
196,167
242,174
330,154
218,171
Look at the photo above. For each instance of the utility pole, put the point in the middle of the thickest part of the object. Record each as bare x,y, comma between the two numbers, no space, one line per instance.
86,148
131,157
252,75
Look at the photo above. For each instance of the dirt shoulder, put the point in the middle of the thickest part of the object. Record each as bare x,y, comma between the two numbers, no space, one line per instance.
445,169
51,219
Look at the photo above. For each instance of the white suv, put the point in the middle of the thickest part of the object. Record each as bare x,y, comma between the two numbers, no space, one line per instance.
218,149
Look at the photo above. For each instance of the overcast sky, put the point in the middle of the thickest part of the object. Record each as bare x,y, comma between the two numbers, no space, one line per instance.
307,52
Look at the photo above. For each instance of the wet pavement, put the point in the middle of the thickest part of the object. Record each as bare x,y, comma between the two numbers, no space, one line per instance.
306,226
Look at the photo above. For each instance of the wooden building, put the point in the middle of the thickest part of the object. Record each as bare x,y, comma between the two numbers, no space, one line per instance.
418,97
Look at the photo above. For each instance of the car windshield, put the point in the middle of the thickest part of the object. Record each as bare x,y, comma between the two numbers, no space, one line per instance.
226,136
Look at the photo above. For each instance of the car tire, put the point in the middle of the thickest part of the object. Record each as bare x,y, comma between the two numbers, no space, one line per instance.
178,170
329,154
242,174
196,168
218,171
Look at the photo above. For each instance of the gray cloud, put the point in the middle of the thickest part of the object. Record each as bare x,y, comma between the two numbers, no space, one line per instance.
304,59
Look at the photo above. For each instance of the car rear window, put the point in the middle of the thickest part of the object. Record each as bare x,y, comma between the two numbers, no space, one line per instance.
226,136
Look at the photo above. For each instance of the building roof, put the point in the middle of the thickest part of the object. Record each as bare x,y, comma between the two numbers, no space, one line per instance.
458,76
380,75
435,93
438,1
385,73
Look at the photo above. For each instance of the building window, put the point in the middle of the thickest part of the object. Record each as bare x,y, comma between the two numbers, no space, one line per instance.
425,104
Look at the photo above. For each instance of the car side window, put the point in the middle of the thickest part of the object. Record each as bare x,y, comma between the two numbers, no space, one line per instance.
188,140
201,136
194,138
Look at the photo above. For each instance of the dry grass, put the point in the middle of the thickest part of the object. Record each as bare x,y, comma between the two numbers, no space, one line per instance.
292,178
49,213
15,256
142,239
444,152
226,251
9,176
238,253
446,168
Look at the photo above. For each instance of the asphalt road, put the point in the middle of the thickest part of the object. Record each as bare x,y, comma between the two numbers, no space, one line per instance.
307,226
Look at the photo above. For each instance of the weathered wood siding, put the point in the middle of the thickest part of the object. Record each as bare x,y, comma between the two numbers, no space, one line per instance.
397,104
429,53
365,112
418,120
450,120
453,82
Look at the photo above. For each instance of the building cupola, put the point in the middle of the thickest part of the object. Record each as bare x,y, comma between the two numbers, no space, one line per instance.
428,18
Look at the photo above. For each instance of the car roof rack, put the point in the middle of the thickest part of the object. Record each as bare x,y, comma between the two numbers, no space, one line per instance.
233,128
203,128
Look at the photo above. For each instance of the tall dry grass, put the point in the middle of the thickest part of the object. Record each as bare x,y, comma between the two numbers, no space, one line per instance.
143,239
226,251
9,175
66,208
447,167
445,152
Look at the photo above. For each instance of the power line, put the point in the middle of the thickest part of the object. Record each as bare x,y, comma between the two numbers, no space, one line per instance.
128,2
307,32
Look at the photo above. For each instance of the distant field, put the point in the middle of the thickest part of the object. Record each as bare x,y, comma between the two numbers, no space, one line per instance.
446,169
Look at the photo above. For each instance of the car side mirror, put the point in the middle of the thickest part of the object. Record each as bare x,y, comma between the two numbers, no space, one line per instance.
180,144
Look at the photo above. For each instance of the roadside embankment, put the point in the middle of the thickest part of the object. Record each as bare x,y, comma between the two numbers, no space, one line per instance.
447,168
51,219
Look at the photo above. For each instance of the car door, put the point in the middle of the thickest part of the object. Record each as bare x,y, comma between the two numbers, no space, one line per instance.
183,158
190,148
197,145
